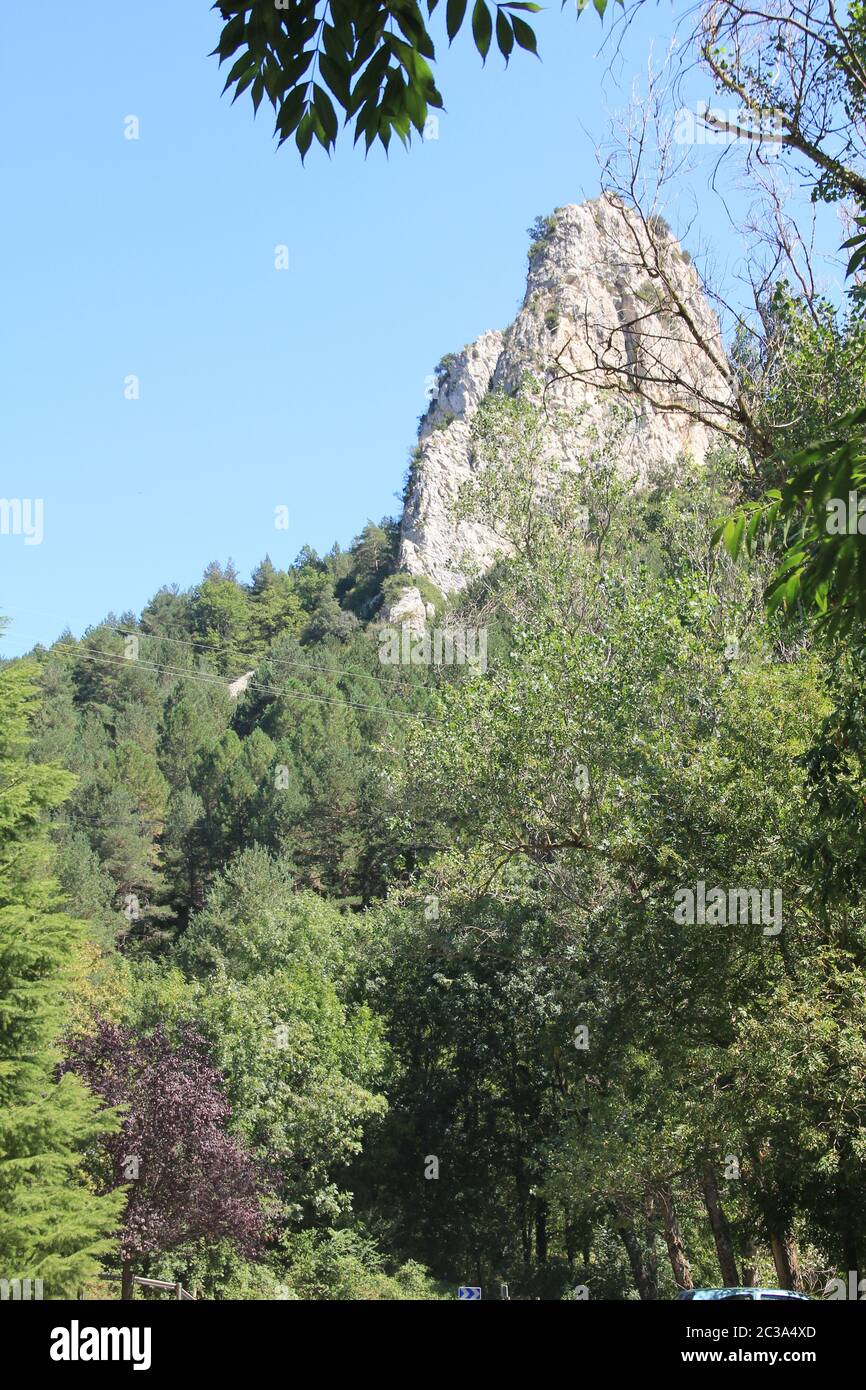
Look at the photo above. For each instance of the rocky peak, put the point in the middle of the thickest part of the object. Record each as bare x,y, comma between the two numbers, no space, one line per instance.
591,297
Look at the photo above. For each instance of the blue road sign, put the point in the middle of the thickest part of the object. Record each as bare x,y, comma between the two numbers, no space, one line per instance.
467,1291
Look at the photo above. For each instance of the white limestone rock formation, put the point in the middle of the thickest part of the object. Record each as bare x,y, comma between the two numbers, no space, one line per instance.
238,686
409,610
590,298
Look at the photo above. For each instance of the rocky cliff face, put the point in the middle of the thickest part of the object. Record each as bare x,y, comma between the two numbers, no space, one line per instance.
592,305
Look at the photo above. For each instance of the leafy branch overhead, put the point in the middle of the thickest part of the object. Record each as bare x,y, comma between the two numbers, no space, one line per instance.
813,522
823,563
367,61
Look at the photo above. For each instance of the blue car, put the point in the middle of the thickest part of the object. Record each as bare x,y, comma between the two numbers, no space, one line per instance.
743,1294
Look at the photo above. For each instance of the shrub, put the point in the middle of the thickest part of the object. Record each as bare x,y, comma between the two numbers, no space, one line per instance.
444,420
650,294
540,234
659,226
348,1266
445,365
395,584
411,472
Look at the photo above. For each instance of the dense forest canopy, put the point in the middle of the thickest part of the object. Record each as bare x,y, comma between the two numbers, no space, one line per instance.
415,922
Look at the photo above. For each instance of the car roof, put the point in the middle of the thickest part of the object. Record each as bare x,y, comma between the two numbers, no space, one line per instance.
749,1291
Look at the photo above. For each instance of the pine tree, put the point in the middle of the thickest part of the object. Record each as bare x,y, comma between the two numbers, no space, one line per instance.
52,1227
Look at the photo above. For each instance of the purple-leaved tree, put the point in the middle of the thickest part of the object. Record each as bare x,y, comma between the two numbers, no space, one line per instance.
187,1177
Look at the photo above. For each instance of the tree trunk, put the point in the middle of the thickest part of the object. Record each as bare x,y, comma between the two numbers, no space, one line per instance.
541,1230
644,1284
750,1272
127,1285
524,1205
650,1259
785,1259
674,1239
526,1238
720,1227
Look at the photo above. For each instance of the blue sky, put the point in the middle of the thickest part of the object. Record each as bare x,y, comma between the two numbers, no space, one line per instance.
155,257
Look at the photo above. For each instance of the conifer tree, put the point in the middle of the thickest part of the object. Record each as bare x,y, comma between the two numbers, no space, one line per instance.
52,1227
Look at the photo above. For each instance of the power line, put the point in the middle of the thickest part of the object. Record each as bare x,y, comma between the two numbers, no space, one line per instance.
279,664
206,678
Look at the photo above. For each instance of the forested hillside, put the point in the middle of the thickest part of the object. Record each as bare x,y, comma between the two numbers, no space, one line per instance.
363,936
383,959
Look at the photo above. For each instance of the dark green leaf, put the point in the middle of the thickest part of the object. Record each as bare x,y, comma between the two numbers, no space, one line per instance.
504,35
242,64
482,27
244,83
324,109
524,35
454,13
336,79
290,113
304,133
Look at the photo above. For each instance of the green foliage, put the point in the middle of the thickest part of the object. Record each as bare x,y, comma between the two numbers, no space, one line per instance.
194,717
396,584
814,367
266,973
277,609
346,1265
221,622
372,558
388,898
823,566
445,365
313,62
659,226
540,234
52,1226
650,294
444,420
574,794
818,367
411,474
